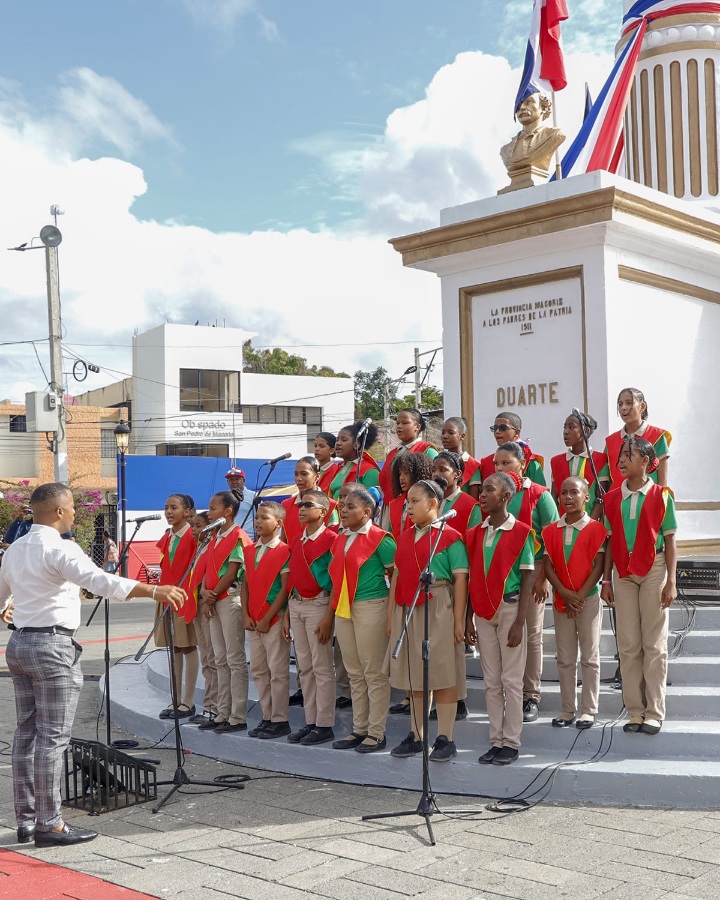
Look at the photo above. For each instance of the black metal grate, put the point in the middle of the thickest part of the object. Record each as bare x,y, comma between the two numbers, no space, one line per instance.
98,778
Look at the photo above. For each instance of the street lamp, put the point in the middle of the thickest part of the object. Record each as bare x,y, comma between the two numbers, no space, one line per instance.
122,442
386,400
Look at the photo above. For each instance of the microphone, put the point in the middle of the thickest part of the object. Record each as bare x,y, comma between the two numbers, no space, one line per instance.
364,427
153,518
218,523
450,514
273,462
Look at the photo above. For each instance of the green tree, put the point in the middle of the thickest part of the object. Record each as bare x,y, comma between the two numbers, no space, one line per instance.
370,392
430,398
279,362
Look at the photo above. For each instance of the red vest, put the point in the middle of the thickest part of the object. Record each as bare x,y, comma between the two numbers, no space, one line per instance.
292,525
530,497
172,571
411,558
486,590
361,549
396,509
463,506
613,445
326,478
213,558
471,467
302,555
574,572
640,561
366,464
259,580
560,467
386,471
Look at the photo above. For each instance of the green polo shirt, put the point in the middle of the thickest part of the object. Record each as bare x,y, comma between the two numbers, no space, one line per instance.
630,508
525,560
236,556
372,580
319,569
371,478
545,513
453,558
535,473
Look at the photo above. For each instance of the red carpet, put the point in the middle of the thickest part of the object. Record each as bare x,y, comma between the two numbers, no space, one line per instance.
28,878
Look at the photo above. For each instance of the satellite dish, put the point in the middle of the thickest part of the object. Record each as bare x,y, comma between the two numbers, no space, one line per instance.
50,236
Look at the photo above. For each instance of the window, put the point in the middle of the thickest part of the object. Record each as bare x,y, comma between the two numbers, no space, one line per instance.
287,415
209,390
18,424
214,450
108,444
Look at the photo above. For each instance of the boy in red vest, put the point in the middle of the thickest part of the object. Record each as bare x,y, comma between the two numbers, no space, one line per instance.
640,516
506,428
264,595
309,584
574,556
502,574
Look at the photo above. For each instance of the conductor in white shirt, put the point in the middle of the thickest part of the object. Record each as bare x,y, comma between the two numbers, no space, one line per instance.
43,574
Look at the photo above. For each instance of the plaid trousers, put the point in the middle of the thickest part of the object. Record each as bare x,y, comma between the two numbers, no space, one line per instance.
46,675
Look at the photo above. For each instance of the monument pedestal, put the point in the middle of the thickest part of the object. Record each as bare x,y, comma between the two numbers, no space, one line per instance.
562,295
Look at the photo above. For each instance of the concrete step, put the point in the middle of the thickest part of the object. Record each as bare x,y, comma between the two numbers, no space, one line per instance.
706,617
679,767
685,670
696,643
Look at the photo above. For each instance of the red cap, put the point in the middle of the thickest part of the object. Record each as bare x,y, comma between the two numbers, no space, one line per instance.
235,473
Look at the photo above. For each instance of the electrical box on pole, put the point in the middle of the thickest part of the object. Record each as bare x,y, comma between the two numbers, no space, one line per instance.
41,411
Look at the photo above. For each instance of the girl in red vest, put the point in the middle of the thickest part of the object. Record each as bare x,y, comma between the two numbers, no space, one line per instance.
454,432
448,599
309,590
177,548
633,410
574,462
202,632
219,569
409,426
641,558
533,505
407,470
348,448
324,452
307,477
501,553
506,429
361,558
574,556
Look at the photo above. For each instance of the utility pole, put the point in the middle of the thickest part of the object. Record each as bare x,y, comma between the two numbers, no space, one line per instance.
56,382
418,379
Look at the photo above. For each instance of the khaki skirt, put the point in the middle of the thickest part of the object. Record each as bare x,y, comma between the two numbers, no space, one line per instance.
442,643
183,632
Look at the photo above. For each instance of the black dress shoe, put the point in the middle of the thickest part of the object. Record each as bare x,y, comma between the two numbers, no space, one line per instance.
227,728
275,730
297,736
25,834
69,835
343,703
318,736
349,743
296,699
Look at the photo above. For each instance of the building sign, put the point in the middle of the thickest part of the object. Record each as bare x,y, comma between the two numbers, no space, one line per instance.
206,429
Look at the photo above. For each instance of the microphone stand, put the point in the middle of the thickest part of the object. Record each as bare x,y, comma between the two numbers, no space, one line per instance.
427,804
180,777
106,601
257,499
361,453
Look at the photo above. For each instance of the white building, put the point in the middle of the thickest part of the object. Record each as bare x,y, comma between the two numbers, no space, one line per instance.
190,397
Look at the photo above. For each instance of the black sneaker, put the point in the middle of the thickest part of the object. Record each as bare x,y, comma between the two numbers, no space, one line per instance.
408,747
275,730
488,757
462,711
443,750
505,756
297,736
531,710
296,699
261,726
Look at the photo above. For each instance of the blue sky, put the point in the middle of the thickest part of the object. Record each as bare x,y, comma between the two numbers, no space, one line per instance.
179,120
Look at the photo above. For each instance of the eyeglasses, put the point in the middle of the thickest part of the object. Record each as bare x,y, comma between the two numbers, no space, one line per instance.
308,504
503,428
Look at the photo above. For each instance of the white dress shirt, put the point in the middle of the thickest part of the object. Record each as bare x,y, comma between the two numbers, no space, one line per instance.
43,573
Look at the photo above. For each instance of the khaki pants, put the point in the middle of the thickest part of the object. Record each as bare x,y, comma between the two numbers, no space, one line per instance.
341,676
228,642
585,630
270,669
363,643
207,659
642,629
534,662
461,671
503,669
315,661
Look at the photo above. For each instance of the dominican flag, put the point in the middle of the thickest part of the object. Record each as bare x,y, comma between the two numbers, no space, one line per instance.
544,65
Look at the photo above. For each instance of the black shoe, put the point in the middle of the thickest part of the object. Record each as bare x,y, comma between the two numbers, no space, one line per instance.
227,728
531,710
400,709
261,726
25,834
505,756
296,699
563,722
632,727
184,711
408,747
297,736
165,713
651,726
443,749
202,718
69,835
343,703
585,721
318,736
350,742
462,711
488,757
374,744
432,715
275,730
213,722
